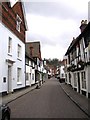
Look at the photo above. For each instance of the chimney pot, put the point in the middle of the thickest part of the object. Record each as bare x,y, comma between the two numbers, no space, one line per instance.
73,38
82,22
83,25
85,22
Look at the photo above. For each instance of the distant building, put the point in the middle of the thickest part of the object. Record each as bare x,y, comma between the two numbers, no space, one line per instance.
35,49
29,67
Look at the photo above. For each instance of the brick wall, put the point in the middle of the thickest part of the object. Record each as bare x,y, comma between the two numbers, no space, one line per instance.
8,18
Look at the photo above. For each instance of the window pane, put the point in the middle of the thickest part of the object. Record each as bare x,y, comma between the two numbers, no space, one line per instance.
18,23
27,78
75,79
19,51
9,44
32,76
18,74
83,80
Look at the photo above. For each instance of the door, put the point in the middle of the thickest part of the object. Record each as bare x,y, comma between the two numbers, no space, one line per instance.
78,75
9,79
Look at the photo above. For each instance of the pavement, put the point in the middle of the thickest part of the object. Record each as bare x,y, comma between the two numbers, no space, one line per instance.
12,96
80,100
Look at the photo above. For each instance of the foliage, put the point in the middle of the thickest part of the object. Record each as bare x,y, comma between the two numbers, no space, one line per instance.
53,62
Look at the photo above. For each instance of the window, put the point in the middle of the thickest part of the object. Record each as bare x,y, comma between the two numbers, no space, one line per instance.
18,23
89,54
19,51
83,76
31,63
9,45
32,76
27,61
62,75
18,74
69,78
66,77
27,77
75,79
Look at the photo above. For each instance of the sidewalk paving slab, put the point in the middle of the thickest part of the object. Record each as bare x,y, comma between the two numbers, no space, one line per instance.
80,100
12,96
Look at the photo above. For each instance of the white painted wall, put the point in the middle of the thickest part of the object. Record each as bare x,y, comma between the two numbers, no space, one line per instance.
5,34
31,71
28,70
62,72
67,77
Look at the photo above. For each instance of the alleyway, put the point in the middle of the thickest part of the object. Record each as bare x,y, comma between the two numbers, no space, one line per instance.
49,101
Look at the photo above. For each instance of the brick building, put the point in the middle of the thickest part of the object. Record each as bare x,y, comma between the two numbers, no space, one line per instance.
12,43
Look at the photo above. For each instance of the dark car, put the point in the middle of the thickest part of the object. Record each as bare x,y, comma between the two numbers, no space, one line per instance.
4,112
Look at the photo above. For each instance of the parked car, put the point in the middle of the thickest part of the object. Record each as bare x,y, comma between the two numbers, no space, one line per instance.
4,112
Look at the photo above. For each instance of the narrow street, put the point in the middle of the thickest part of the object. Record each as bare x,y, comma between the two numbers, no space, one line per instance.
49,101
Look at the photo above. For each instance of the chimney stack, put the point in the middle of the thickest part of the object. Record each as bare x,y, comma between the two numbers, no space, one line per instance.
73,38
83,25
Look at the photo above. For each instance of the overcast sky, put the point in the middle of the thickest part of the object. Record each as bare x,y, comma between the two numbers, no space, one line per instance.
54,23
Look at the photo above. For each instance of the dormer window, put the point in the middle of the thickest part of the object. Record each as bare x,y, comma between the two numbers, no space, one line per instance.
18,23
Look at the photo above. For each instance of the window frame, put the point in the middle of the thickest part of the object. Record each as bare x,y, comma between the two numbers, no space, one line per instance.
10,45
83,78
18,75
19,51
75,79
18,23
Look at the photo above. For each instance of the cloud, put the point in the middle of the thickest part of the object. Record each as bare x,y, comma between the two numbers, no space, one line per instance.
56,51
60,9
55,24
50,30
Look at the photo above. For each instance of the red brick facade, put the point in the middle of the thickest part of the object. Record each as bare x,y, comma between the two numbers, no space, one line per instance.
8,17
34,48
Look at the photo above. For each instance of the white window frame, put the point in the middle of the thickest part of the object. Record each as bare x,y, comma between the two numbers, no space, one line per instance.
89,54
32,76
18,75
83,77
27,61
19,51
18,23
9,45
75,79
27,76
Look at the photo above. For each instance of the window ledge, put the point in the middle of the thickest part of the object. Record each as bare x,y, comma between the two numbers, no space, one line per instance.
19,83
10,54
75,86
84,89
19,59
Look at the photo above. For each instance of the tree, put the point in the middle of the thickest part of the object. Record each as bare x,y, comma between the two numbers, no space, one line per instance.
53,62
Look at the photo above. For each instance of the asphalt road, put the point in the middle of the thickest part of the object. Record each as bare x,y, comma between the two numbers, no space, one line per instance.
49,101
